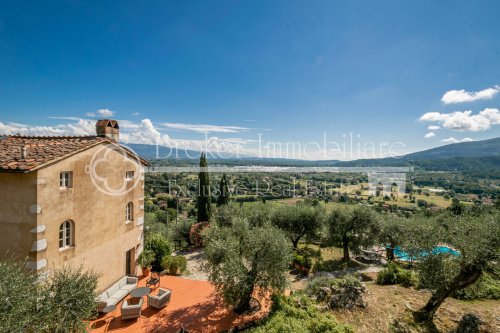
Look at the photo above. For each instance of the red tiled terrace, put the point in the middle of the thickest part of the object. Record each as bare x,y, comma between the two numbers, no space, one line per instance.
193,304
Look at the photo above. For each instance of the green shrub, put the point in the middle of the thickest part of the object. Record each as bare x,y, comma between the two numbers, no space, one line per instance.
173,264
407,278
393,274
486,287
318,282
160,246
388,275
181,231
348,281
298,314
146,258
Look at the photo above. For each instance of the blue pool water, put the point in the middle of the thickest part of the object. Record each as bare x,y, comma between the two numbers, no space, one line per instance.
402,255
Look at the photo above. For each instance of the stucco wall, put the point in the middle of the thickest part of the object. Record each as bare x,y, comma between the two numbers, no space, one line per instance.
102,236
17,214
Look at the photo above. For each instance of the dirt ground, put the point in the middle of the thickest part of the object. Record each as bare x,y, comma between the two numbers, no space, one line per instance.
387,303
195,259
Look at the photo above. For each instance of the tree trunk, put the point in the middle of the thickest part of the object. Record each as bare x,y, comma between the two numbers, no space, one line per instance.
244,304
467,276
295,242
390,252
345,244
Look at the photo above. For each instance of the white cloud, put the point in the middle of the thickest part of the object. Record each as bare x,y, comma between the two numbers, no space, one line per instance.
135,113
429,135
465,120
433,127
462,96
82,127
90,114
453,140
200,128
132,132
105,112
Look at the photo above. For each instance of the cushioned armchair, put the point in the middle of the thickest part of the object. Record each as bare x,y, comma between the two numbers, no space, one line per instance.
131,308
161,299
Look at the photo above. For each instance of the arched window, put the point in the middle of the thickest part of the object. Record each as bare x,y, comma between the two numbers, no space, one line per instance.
66,234
129,213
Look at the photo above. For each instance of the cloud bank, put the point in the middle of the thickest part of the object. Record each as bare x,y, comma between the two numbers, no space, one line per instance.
143,132
453,140
463,96
205,128
465,121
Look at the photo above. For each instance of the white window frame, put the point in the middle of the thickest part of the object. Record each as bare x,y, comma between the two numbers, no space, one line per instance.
129,175
129,212
66,179
66,235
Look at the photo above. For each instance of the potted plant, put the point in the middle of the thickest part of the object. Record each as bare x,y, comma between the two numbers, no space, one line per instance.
174,264
146,258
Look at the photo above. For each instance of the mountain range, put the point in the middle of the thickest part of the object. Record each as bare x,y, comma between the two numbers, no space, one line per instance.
463,156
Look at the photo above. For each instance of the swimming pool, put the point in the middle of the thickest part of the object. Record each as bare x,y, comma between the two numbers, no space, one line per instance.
405,256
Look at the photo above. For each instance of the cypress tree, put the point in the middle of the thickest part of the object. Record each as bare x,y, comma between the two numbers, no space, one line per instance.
204,197
223,198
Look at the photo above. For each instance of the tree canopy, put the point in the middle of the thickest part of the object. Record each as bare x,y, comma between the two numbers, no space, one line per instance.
353,228
477,240
224,194
60,303
298,221
242,259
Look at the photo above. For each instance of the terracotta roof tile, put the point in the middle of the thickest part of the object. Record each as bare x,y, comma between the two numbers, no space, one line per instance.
25,153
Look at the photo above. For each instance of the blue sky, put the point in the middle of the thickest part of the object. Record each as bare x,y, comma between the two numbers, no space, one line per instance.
284,71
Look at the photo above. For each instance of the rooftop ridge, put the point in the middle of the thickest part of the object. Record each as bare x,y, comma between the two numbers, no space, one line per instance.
51,136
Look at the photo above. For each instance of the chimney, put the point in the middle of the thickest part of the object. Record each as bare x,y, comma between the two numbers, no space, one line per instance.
108,128
24,152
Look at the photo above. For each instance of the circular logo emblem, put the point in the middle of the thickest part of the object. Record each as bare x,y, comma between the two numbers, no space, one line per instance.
104,165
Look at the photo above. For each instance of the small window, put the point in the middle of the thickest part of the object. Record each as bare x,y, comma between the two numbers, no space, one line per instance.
66,234
66,179
129,212
129,175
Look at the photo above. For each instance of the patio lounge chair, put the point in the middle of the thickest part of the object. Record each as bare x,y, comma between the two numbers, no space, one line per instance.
161,299
154,280
131,308
114,294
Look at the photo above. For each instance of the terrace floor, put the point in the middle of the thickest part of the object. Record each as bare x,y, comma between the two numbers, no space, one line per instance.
193,304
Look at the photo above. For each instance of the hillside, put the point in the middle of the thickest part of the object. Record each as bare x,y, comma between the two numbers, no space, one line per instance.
465,156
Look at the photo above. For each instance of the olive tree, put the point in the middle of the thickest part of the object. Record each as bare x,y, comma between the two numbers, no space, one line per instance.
68,299
476,238
353,228
243,260
298,221
19,295
392,233
256,213
60,303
